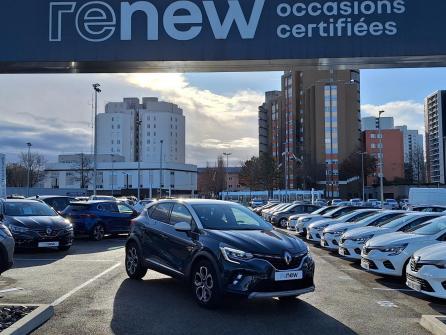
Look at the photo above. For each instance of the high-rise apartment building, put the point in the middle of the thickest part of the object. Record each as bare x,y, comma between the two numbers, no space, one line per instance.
316,126
2,175
435,127
161,128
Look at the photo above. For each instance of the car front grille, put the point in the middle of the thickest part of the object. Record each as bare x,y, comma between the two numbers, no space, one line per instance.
342,240
52,233
279,261
425,286
415,267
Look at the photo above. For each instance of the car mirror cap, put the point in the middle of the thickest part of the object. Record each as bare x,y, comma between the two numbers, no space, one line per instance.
183,227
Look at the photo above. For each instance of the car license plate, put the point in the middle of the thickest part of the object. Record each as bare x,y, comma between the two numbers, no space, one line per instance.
365,264
414,286
288,275
342,251
48,244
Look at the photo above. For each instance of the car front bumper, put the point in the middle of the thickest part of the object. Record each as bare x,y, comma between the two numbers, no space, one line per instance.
350,249
32,239
429,280
314,234
256,279
383,263
330,241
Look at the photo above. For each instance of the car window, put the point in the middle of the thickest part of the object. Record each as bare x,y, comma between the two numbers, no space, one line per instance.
124,209
161,212
429,228
416,223
180,214
359,216
229,217
385,219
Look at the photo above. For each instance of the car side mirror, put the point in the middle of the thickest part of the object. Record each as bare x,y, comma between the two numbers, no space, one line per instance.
183,227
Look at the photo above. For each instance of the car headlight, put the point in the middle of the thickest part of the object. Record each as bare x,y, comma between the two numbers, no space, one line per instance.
5,229
235,255
394,250
362,239
17,229
306,219
339,232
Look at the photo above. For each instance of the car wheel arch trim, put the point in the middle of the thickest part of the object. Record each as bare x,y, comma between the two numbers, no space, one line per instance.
201,255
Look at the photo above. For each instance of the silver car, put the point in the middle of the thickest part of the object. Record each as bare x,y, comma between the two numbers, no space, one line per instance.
6,248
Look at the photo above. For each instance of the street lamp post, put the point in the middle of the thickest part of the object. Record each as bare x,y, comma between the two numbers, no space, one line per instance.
161,169
381,160
126,180
29,168
362,174
227,154
138,124
96,91
113,175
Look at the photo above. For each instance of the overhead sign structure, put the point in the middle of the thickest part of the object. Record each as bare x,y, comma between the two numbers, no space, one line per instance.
175,35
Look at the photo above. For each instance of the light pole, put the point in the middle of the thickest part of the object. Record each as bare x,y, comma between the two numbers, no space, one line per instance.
138,124
161,169
29,168
126,180
113,174
285,155
96,91
227,154
381,160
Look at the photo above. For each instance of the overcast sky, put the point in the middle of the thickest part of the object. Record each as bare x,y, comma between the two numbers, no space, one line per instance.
54,112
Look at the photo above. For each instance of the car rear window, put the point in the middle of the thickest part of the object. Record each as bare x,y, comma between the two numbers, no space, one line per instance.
77,208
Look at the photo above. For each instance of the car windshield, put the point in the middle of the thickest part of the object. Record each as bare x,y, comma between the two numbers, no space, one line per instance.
395,222
323,210
28,209
429,228
229,217
358,216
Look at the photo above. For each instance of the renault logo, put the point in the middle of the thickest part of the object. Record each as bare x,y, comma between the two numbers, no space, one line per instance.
49,231
287,257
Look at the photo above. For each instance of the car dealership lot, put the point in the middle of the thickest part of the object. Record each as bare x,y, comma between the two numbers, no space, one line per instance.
92,294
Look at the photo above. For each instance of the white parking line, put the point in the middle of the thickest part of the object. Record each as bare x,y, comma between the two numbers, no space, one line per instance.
11,290
393,289
60,259
387,304
88,282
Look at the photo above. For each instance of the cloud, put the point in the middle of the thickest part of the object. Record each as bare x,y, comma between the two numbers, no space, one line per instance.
410,113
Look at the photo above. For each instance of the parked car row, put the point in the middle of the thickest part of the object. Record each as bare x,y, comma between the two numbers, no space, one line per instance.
406,244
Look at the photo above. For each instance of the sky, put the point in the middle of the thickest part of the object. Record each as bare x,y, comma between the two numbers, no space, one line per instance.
54,112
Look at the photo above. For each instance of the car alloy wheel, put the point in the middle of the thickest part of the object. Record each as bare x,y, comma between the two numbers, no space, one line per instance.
204,283
133,265
98,232
283,223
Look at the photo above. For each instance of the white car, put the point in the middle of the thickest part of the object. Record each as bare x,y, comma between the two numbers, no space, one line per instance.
390,253
351,243
266,214
315,229
140,205
292,221
426,271
304,222
331,236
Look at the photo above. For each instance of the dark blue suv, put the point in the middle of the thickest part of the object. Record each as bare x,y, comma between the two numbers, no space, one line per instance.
98,218
218,247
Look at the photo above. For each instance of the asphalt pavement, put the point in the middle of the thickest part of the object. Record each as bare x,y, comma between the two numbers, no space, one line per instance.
91,294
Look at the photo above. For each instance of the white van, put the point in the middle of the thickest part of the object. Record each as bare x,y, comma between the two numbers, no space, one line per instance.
427,196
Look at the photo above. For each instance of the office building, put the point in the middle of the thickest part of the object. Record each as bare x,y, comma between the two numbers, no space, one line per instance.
270,125
372,123
435,126
161,131
315,126
392,154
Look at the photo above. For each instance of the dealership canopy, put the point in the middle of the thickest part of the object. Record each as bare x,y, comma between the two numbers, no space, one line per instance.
219,35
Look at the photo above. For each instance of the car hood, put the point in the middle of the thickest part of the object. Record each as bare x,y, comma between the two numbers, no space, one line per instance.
259,241
324,222
339,226
432,253
396,238
363,231
33,222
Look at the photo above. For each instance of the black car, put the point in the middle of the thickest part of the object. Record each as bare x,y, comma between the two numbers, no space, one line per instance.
218,247
58,202
36,225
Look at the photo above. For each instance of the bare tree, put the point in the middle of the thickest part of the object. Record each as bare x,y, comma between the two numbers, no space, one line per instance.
35,163
16,175
83,170
212,180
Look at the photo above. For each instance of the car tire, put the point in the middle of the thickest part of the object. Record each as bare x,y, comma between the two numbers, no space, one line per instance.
64,248
205,285
98,232
133,262
283,223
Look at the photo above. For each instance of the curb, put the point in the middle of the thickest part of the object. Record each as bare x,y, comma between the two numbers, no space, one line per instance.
30,322
436,324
